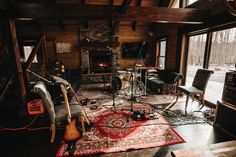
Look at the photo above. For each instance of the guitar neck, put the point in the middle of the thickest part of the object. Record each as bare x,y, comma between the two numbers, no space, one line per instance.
84,113
66,101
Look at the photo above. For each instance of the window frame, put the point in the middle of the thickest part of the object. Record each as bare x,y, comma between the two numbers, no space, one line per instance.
35,60
159,40
207,53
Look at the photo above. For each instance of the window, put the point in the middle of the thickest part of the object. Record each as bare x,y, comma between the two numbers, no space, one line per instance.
176,4
191,1
162,45
222,59
63,47
27,50
217,54
196,52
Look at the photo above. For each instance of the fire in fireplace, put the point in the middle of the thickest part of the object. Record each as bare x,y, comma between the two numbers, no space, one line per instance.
100,61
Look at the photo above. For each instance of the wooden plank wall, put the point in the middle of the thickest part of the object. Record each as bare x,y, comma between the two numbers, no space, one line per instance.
72,60
171,32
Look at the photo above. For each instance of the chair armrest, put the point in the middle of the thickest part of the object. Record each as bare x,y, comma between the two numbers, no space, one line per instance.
173,77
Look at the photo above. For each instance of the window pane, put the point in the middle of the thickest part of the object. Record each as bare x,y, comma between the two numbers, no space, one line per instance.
195,56
161,62
162,48
27,51
176,4
222,59
191,1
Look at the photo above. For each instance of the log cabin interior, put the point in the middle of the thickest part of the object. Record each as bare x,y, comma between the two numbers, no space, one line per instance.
114,78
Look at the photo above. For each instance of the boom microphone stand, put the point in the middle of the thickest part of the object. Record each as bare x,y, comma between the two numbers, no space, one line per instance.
113,82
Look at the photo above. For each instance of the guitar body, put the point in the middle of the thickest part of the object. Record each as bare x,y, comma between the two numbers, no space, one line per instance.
72,133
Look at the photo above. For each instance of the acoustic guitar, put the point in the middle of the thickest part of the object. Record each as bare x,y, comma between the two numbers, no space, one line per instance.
72,133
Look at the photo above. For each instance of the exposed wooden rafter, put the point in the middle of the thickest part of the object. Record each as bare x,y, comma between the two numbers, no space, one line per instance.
86,25
99,12
61,25
115,28
134,24
14,48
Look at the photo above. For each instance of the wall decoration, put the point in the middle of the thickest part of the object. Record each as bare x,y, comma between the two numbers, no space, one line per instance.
63,47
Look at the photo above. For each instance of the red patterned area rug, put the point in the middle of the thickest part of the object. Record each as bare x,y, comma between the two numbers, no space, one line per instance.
116,131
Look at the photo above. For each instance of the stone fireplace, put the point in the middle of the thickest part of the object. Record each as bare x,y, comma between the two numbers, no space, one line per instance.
100,61
95,56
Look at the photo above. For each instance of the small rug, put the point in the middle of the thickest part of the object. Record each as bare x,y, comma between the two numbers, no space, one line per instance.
161,99
116,131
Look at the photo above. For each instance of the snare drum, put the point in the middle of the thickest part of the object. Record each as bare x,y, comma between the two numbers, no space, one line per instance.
121,74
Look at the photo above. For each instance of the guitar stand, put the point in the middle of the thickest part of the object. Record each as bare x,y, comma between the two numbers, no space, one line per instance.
71,148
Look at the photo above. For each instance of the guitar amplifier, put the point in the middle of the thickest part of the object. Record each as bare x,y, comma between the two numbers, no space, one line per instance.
35,107
229,92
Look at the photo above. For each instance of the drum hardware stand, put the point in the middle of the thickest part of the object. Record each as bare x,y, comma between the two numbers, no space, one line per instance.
135,86
114,89
132,98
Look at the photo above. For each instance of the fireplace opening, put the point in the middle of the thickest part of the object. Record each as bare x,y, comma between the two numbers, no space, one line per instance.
100,61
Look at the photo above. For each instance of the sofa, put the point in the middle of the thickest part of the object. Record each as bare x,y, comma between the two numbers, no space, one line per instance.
161,80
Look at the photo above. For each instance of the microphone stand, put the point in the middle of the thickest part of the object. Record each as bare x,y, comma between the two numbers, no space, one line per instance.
132,81
114,88
113,85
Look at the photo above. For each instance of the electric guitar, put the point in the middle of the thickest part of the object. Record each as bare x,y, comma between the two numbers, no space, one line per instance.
71,133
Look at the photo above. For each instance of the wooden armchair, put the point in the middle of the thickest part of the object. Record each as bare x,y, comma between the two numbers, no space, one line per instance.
198,87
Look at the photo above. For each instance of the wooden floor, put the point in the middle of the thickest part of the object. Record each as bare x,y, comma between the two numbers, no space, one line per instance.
37,143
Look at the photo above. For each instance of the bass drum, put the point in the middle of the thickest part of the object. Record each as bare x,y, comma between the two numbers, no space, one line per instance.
118,83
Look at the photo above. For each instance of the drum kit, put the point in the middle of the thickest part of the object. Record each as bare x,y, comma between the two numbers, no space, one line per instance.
131,80
128,81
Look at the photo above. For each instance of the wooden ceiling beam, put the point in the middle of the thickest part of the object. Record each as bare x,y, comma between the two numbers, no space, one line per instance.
99,12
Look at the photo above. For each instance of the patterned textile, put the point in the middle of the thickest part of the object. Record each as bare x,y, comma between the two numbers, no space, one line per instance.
116,131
